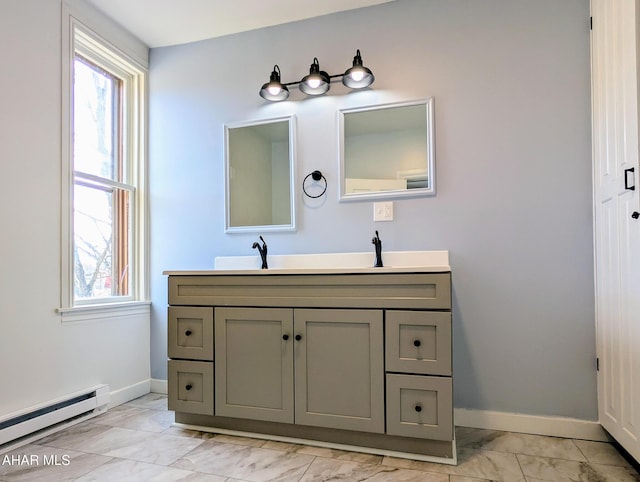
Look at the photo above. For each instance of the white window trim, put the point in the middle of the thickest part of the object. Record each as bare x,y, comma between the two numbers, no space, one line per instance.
101,311
92,28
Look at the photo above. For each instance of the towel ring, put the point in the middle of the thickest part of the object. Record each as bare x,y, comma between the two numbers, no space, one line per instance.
316,176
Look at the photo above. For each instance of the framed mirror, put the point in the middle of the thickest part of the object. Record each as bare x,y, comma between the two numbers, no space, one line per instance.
387,151
259,175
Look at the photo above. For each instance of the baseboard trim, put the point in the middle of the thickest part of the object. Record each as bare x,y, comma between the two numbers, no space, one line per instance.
126,394
159,386
532,424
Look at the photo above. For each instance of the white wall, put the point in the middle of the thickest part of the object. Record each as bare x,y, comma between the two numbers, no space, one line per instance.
513,206
41,357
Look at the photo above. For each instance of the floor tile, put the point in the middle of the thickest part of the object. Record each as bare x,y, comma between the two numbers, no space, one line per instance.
183,432
232,439
518,443
131,471
283,446
74,437
137,419
244,462
326,469
324,452
124,443
459,478
38,463
601,453
616,473
559,470
137,442
153,401
481,464
152,448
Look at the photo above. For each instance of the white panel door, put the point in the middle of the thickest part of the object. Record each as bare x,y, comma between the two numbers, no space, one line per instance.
617,227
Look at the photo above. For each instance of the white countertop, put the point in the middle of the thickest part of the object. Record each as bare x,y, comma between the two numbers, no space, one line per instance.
327,263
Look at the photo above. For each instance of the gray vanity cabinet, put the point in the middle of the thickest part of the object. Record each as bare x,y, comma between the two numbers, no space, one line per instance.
348,359
333,356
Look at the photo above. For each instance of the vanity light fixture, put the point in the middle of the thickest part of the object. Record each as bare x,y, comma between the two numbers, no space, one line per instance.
358,76
274,89
317,82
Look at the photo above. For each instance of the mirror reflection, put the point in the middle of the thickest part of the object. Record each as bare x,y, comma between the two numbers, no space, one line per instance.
387,151
259,167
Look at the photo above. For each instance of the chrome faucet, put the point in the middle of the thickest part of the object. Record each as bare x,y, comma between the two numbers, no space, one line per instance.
378,244
263,252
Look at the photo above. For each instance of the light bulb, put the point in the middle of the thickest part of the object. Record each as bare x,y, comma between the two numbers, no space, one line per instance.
274,89
357,75
313,82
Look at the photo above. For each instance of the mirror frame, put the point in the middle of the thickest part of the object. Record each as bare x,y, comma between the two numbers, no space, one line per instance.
430,154
291,120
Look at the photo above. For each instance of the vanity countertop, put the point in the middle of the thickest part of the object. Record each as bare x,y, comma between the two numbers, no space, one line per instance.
326,263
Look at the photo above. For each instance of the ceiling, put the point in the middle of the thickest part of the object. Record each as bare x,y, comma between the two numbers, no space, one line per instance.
160,23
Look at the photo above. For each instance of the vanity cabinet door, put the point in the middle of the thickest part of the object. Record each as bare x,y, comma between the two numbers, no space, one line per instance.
254,363
339,369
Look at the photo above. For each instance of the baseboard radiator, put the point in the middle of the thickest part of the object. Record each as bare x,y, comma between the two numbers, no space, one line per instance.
24,426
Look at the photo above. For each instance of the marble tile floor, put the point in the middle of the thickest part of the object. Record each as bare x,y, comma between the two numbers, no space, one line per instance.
136,442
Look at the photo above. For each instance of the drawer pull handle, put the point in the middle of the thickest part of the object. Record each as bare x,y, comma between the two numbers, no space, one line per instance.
416,343
188,332
285,337
189,387
298,337
418,408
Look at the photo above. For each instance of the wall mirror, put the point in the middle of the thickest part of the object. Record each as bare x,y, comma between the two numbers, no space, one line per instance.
259,175
387,151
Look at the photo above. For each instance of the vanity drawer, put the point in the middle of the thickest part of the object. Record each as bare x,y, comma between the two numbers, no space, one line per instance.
420,406
418,342
191,386
420,291
190,332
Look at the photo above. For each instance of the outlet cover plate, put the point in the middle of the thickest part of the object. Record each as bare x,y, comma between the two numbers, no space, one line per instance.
383,211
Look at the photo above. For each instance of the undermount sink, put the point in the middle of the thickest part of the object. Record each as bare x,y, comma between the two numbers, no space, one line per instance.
339,262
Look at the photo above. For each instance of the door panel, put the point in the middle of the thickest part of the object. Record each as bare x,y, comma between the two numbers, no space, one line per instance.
254,364
617,233
339,369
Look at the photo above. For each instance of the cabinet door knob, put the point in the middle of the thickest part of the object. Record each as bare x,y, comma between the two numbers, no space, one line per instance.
416,343
189,387
285,337
298,337
418,408
188,332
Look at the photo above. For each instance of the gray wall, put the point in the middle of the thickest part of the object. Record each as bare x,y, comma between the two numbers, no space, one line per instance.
513,206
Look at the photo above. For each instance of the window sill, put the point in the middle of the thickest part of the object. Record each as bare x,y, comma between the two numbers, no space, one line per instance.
104,311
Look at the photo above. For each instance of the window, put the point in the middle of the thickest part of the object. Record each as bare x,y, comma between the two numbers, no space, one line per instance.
105,205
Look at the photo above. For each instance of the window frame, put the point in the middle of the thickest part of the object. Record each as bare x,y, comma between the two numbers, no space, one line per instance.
85,41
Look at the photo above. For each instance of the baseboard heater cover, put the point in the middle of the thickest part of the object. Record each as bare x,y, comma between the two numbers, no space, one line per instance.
85,403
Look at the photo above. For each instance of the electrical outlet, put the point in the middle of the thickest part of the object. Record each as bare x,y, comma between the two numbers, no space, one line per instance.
383,211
